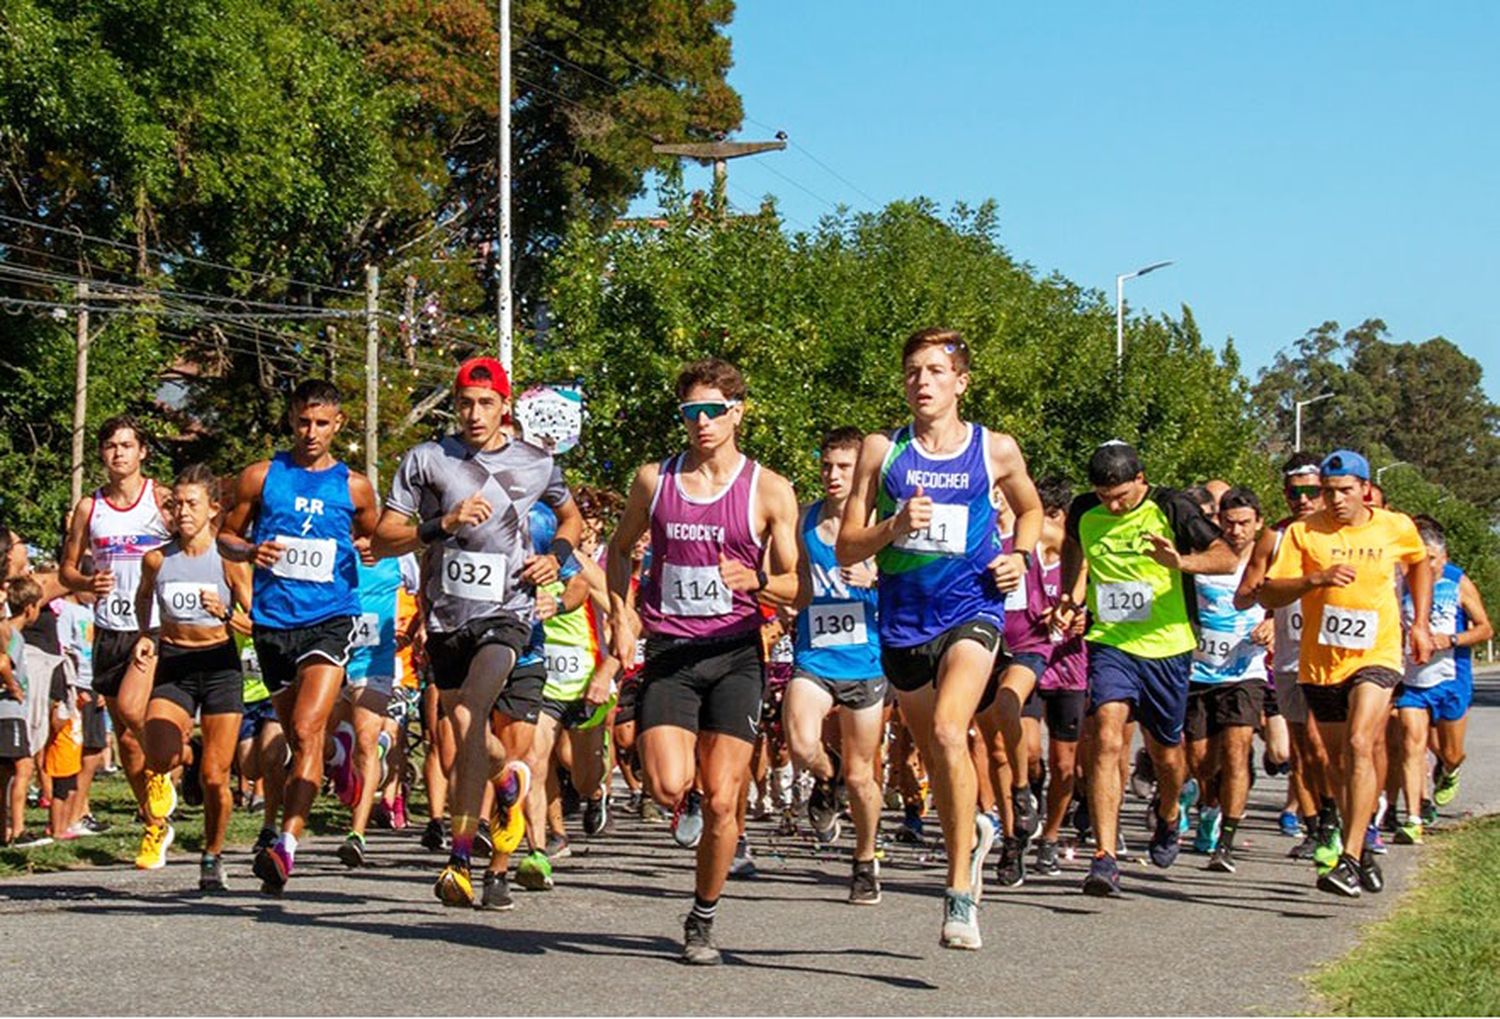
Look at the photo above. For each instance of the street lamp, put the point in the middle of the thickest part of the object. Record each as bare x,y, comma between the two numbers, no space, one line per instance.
1297,436
1380,471
1120,306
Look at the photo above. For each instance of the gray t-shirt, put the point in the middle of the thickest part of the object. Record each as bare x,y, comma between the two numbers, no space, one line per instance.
476,573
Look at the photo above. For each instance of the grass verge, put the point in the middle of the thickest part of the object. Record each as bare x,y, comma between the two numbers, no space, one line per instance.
1439,952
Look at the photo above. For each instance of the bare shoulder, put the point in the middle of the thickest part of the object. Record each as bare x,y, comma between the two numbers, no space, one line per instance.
1004,449
360,488
777,492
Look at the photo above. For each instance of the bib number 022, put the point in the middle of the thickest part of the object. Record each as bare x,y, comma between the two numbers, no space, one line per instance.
1353,629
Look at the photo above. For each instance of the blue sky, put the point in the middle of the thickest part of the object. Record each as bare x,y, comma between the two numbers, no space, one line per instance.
1300,162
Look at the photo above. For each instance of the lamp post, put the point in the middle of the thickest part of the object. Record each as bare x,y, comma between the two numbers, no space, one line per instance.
1297,433
503,310
1380,471
1120,306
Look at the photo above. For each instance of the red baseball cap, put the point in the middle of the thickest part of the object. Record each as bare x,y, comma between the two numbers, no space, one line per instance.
485,373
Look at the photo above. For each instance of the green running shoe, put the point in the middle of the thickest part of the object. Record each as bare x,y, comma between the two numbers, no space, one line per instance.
535,872
1444,785
1330,848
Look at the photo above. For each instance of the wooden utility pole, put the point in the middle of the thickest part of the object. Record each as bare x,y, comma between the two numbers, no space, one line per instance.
80,389
409,307
372,371
719,154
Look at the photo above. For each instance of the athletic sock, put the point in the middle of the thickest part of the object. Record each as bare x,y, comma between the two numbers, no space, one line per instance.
383,743
1227,831
288,843
704,909
463,848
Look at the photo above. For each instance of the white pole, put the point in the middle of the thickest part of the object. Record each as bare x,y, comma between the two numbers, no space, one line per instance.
1119,321
503,284
1297,437
372,373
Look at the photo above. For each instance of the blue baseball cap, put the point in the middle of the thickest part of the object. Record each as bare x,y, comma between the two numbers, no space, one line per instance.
1345,462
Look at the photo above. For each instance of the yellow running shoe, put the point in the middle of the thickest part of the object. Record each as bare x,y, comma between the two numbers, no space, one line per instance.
161,796
510,806
154,846
454,888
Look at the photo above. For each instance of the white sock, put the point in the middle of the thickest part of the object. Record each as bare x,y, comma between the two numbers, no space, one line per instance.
289,843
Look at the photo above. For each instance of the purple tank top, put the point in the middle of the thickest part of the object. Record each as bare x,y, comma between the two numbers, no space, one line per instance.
1025,627
684,594
1068,668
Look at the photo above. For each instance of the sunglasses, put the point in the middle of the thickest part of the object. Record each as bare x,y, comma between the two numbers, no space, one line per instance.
711,409
1303,491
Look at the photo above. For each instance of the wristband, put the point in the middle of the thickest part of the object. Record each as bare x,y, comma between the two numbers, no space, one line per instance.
429,531
561,549
761,580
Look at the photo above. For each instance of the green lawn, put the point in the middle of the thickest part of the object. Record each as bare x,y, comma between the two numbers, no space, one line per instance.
112,802
1439,952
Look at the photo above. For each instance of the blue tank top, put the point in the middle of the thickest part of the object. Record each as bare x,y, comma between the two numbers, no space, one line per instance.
939,578
837,634
312,514
1448,618
374,651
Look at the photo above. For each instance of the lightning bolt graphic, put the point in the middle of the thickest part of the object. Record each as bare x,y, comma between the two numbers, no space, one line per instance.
306,526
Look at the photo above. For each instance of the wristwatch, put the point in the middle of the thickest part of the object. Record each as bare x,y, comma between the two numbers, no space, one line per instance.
1025,558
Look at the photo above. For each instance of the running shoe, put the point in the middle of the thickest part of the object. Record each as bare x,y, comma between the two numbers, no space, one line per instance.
161,796
1011,870
1047,858
1028,819
911,831
1143,775
352,852
1429,813
1374,841
273,865
1371,877
687,820
79,829
1122,848
1342,878
651,813
698,942
596,816
960,921
1306,849
211,874
1390,821
1289,825
1409,834
1083,821
1207,838
454,887
864,885
496,895
1165,842
264,840
535,872
192,776
1444,784
743,864
984,841
346,778
26,840
432,836
1103,880
558,847
1222,859
484,845
154,846
1186,800
398,813
510,798
1330,848
95,825
380,816
823,808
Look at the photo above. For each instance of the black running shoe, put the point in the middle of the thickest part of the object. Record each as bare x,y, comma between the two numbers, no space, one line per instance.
432,836
698,943
1047,858
823,806
596,816
496,897
1344,879
1083,821
1371,877
1027,819
351,852
1222,859
864,886
484,845
1305,849
264,840
1010,871
211,874
1165,842
1104,877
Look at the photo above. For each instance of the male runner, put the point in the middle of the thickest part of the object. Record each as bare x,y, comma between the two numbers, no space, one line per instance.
1227,688
1140,543
1437,695
467,497
931,487
114,528
837,662
1309,782
710,511
299,518
1340,562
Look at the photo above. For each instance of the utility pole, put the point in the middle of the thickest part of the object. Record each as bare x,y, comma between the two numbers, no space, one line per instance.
503,308
80,389
372,371
719,154
409,309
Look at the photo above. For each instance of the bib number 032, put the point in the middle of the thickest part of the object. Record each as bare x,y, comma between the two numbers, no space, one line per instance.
474,576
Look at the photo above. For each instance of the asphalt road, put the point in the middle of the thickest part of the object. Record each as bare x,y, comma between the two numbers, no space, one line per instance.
605,940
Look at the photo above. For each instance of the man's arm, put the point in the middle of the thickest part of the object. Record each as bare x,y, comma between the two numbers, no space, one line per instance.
234,543
858,538
633,523
1479,629
777,502
69,570
544,568
366,506
1419,583
1009,469
1255,571
145,591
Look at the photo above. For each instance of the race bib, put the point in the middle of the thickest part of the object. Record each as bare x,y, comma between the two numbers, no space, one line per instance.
367,630
182,602
837,625
694,591
1294,622
1215,648
1126,602
1015,600
947,534
565,662
474,576
309,559
1348,628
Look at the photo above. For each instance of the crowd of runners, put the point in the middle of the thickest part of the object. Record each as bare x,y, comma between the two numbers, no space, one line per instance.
705,648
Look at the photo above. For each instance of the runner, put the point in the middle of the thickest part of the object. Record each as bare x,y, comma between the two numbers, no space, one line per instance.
23,600
467,498
1227,688
1436,696
931,487
1340,562
195,593
710,511
304,519
111,530
1140,543
837,664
